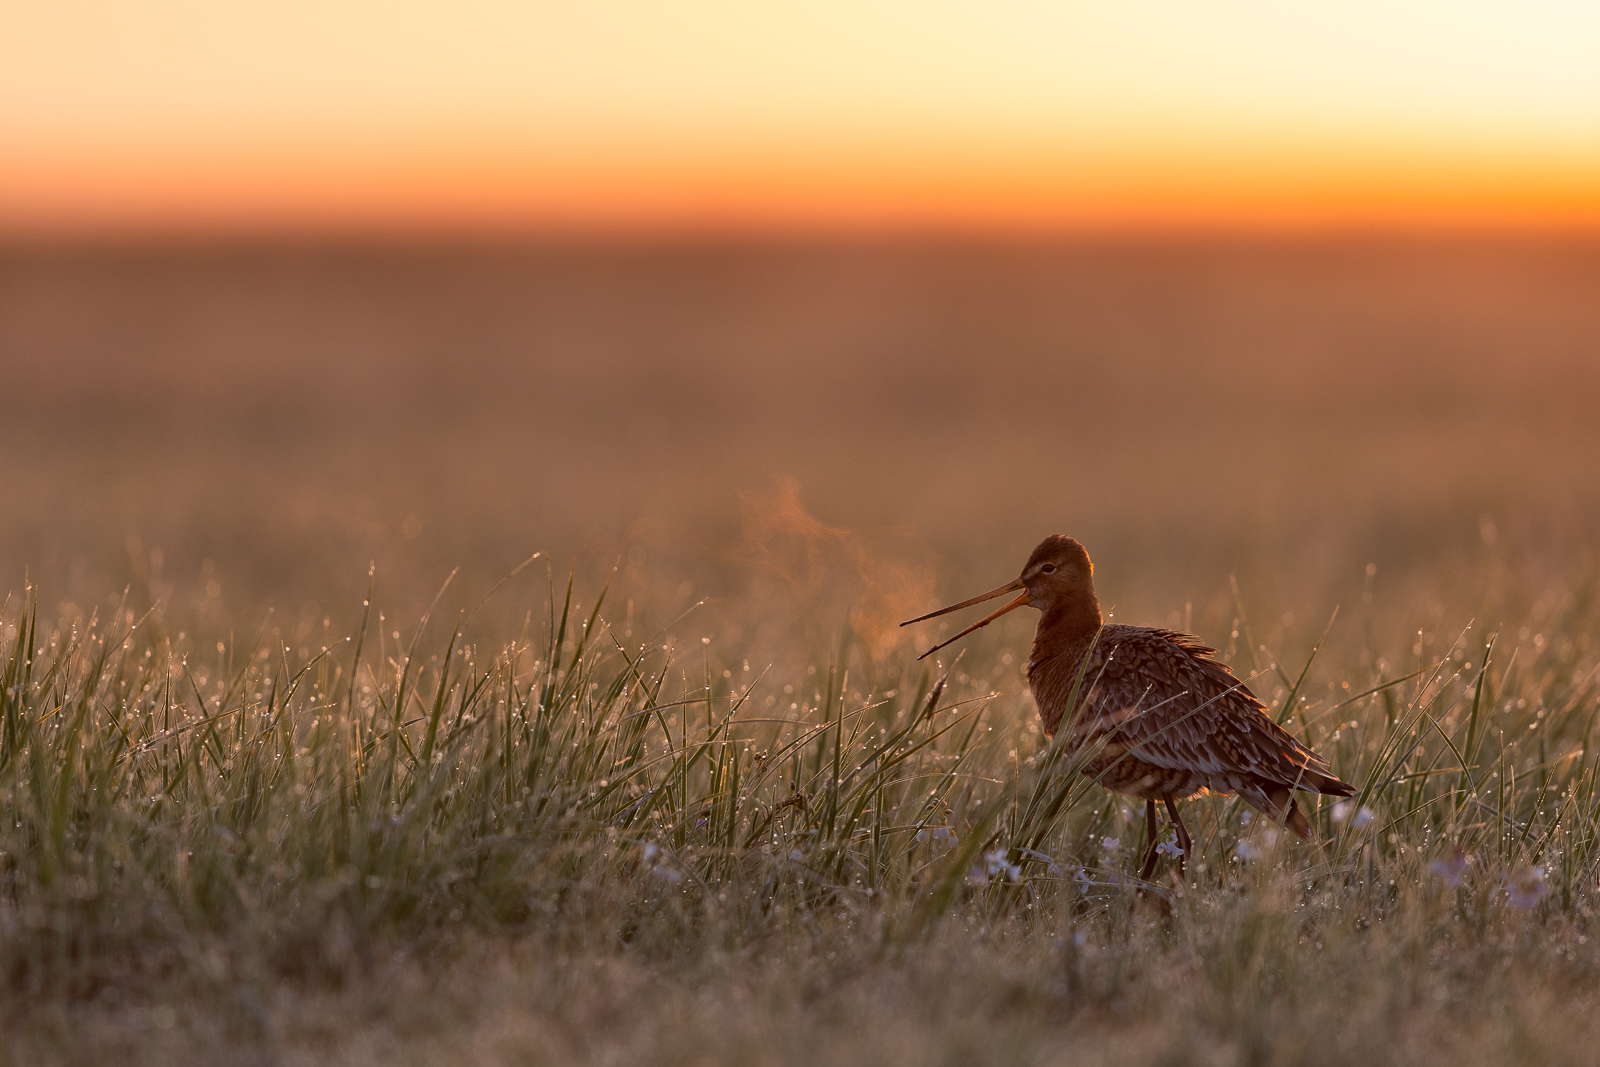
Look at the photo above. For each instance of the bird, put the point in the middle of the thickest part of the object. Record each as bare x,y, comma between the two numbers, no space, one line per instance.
1159,717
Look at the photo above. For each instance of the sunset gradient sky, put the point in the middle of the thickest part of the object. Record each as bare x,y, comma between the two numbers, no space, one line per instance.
619,114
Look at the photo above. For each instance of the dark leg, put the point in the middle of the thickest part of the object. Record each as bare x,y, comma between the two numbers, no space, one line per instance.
1183,834
1150,841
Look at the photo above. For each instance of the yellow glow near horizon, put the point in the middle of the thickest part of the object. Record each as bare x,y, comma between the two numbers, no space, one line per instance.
626,112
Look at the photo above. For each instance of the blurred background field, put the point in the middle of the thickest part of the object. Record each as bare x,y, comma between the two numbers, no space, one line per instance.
230,428
774,451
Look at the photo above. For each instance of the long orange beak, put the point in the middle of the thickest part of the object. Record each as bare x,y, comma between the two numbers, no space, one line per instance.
985,621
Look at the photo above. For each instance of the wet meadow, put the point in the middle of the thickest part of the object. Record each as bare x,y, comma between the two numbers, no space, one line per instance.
490,651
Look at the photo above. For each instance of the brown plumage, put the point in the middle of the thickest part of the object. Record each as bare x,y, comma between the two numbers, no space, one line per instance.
1160,718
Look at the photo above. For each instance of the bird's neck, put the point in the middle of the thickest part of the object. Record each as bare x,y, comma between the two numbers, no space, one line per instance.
1066,633
1068,622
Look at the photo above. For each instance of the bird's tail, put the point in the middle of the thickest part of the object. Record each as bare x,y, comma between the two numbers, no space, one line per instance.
1322,782
1281,806
1276,799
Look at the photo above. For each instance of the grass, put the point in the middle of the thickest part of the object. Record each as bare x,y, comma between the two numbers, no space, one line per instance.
701,804
203,837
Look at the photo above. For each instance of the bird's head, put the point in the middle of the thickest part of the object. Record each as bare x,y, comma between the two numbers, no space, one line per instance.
1058,573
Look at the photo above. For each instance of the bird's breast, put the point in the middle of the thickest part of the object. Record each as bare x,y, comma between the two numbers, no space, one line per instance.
1051,678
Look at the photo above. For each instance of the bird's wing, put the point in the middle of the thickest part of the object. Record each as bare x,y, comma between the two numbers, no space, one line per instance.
1159,696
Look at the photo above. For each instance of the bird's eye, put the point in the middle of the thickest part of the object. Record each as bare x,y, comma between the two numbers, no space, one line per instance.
1048,568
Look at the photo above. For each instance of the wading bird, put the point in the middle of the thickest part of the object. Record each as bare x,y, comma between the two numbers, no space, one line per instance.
1157,717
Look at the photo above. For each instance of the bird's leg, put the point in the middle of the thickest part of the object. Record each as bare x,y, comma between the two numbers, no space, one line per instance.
1150,839
1183,834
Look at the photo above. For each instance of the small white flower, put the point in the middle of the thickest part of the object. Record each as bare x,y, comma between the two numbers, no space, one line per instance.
1341,810
1110,842
667,874
1169,848
1363,817
1527,888
1246,850
796,855
1014,872
922,835
942,833
1452,869
651,852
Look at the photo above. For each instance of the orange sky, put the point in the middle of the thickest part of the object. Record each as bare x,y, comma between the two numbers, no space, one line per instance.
1013,114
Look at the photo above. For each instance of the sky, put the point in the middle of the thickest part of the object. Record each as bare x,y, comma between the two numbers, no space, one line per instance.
627,114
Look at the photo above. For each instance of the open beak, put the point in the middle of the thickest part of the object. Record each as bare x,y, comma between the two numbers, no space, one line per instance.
985,621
